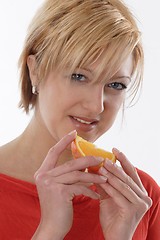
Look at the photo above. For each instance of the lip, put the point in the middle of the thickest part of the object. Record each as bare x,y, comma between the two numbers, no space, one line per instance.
84,126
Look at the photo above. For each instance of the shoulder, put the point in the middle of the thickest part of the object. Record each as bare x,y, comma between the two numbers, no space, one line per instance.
149,183
152,217
151,186
6,157
147,179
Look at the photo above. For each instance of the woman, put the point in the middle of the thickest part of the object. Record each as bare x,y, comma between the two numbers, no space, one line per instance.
79,61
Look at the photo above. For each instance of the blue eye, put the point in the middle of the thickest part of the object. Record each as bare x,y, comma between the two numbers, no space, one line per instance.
117,85
78,77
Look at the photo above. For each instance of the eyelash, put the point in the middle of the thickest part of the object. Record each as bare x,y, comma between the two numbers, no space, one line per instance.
76,76
115,85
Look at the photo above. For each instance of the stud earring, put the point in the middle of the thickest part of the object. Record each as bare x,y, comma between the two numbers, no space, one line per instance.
34,90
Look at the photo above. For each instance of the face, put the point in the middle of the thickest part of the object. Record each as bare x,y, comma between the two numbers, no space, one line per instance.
69,101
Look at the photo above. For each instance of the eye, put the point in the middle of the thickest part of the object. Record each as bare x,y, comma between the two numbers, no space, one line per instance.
117,85
78,77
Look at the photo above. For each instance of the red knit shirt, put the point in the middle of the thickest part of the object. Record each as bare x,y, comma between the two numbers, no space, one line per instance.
20,212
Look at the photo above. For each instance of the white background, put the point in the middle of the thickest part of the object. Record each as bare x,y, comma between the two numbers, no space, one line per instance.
139,134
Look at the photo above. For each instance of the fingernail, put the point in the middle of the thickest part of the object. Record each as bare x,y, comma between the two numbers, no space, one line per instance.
101,159
103,178
103,171
115,150
74,131
108,162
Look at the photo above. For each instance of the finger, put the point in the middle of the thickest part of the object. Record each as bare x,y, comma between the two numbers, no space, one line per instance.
116,173
120,198
101,192
65,191
123,195
125,185
54,153
76,190
78,176
128,168
129,192
76,164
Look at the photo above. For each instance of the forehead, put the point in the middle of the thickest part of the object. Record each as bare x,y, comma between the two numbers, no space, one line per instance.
102,72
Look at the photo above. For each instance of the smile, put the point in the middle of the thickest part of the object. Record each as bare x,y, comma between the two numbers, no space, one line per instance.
84,124
82,121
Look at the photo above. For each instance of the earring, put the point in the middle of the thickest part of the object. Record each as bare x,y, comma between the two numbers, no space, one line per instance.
34,90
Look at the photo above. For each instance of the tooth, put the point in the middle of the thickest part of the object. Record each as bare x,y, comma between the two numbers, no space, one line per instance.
82,121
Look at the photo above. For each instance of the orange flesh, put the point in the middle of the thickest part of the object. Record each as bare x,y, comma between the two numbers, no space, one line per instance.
80,148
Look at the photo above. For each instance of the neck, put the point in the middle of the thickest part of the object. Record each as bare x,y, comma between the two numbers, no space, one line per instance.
30,149
36,142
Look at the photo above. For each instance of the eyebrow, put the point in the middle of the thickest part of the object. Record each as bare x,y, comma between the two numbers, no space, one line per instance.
122,77
115,77
87,69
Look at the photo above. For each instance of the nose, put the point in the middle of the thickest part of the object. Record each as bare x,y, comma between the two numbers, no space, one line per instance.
93,101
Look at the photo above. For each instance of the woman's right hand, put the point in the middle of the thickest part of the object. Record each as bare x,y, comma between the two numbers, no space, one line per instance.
58,185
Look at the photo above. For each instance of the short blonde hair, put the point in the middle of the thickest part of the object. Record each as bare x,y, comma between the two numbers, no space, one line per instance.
72,33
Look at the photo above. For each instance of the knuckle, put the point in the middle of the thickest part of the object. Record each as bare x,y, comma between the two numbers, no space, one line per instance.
129,180
77,175
149,202
70,164
127,187
41,179
110,177
144,191
145,205
52,150
38,177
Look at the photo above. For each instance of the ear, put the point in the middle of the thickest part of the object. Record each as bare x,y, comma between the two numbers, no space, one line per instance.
31,63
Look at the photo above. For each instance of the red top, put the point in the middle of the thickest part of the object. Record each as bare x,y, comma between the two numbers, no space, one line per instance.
20,212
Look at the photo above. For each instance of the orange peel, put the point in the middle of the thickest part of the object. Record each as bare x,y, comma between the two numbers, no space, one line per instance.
81,148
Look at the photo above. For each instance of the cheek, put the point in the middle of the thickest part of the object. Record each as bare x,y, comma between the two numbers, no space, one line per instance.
114,103
112,106
53,103
46,112
48,102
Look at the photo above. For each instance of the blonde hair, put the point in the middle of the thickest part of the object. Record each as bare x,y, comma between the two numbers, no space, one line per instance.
73,33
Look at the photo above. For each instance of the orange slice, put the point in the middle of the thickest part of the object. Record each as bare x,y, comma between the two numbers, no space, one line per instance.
81,148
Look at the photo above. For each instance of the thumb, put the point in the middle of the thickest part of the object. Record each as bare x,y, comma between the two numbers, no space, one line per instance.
54,153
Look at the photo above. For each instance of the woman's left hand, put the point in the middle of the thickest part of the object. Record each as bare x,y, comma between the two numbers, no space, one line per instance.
124,200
